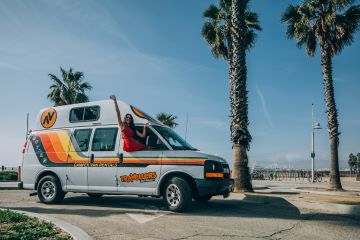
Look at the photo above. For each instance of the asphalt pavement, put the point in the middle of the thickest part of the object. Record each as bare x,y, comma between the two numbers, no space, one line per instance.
127,217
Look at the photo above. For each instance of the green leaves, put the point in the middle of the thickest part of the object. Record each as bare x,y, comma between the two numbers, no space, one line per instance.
216,29
15,225
331,24
167,119
71,89
211,12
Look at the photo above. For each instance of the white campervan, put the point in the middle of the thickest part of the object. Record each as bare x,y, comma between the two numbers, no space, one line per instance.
78,148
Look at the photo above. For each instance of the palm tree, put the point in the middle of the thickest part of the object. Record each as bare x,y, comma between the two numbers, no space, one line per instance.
230,29
352,161
167,119
331,24
71,89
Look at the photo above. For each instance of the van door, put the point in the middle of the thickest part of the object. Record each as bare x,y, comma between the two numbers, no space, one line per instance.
78,160
104,158
139,171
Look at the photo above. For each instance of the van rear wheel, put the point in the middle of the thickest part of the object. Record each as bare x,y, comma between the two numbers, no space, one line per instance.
49,190
177,194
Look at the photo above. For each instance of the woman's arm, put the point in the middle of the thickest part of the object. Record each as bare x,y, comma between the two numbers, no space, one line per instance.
143,134
121,124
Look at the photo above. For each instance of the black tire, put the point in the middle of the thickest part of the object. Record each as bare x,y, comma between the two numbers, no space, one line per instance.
49,190
202,198
94,195
177,194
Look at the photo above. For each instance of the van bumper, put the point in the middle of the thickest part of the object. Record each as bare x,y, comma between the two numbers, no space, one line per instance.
206,187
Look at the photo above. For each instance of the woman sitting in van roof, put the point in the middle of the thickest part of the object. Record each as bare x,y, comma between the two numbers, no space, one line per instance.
128,130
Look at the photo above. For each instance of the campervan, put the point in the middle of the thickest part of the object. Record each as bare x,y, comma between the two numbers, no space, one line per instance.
79,148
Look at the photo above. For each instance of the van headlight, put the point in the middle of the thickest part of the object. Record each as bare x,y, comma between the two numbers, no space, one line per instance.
213,169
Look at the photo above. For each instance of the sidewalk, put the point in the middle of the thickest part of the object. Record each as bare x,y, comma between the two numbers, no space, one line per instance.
306,196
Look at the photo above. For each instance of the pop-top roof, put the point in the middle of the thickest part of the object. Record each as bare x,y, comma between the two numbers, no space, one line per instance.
59,117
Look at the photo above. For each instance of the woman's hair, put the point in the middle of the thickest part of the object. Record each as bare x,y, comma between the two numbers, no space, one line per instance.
131,125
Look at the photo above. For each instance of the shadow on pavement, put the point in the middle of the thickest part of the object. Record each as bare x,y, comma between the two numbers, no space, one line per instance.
249,207
278,193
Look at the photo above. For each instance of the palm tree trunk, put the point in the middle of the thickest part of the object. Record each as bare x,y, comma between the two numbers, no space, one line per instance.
333,125
239,110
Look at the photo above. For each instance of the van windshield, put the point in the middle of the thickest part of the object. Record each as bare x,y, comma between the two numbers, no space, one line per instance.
174,140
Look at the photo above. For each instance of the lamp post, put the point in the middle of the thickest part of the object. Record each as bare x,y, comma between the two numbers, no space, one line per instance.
314,125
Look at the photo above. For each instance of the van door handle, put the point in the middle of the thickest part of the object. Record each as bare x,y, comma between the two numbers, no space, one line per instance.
121,157
92,158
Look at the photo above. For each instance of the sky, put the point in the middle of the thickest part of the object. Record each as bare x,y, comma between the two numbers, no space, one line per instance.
151,55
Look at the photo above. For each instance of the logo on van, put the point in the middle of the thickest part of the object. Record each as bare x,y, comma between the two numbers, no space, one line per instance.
48,118
141,177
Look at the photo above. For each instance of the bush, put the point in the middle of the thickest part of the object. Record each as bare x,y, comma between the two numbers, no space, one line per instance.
8,176
15,225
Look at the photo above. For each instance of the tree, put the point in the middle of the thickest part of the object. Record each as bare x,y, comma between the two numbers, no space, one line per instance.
352,161
167,119
230,29
71,89
358,163
330,24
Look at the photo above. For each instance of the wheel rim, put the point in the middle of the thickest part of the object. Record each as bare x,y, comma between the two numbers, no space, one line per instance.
173,195
48,190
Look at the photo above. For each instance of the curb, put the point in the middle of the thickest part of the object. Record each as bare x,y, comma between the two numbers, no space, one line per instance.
75,232
345,209
322,207
350,194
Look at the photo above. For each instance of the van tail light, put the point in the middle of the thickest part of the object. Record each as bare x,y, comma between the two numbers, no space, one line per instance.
24,148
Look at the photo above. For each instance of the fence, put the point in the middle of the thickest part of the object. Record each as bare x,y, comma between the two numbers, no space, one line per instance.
295,175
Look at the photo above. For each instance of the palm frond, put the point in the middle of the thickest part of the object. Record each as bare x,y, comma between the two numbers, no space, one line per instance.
167,119
208,32
70,89
252,20
211,12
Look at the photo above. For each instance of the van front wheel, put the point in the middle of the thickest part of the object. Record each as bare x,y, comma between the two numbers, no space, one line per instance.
177,194
49,190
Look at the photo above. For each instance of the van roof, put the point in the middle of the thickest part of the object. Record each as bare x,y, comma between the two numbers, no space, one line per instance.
105,114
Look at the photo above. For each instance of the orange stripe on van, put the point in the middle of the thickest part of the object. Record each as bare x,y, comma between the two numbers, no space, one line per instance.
180,161
106,160
61,150
49,149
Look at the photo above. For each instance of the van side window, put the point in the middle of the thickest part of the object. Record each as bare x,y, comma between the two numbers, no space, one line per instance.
85,114
151,140
104,139
82,137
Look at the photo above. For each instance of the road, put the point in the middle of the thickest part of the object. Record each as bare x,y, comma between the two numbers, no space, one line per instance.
126,217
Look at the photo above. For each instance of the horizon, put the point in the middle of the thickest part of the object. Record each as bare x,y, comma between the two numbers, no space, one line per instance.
185,79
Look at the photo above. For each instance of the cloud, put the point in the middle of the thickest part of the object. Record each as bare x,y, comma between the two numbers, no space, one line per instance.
263,103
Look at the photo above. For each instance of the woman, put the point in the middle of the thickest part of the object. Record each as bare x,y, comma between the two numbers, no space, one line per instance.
128,131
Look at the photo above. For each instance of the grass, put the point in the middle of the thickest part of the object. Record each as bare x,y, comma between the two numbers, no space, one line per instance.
15,225
8,176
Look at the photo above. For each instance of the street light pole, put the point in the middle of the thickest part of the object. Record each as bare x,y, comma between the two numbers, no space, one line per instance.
314,125
312,144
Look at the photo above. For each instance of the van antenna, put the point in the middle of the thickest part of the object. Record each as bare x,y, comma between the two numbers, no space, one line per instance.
186,126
